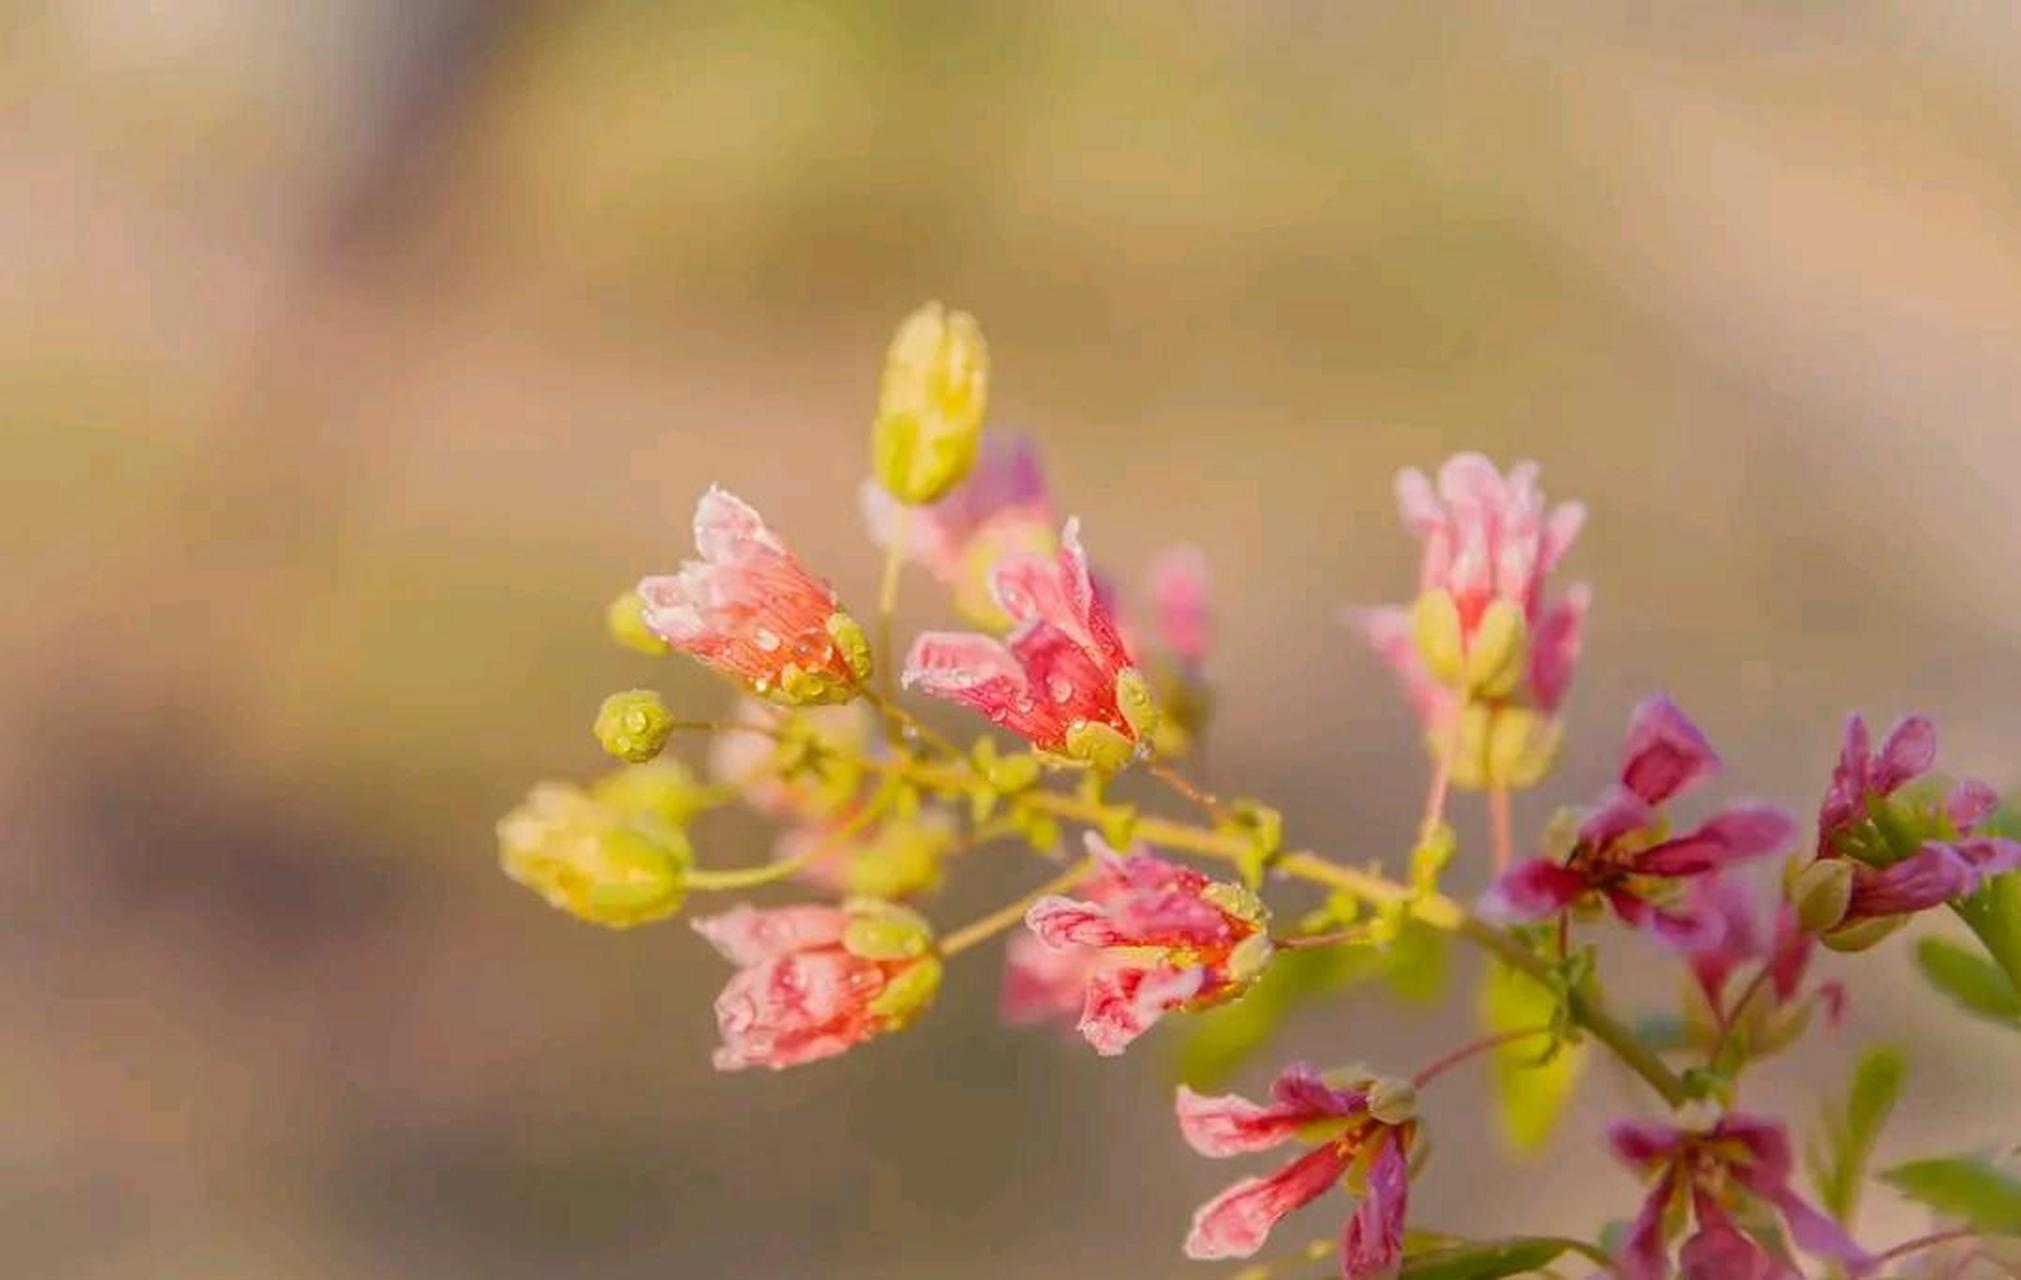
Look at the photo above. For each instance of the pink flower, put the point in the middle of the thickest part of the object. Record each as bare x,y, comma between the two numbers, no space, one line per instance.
1000,512
1782,951
815,981
1906,853
1738,1159
1148,937
750,609
1624,854
1063,679
1488,541
1302,1106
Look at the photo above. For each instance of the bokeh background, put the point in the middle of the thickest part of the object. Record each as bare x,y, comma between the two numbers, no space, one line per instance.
354,352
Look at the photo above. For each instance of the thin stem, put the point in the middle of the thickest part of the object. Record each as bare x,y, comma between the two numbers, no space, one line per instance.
1009,915
1208,803
1930,1241
887,600
894,714
1498,816
1473,1048
752,877
1441,783
1337,938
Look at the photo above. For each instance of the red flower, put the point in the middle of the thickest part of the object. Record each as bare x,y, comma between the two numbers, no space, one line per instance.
1151,937
1624,854
1349,1137
750,609
816,981
1063,679
1740,1158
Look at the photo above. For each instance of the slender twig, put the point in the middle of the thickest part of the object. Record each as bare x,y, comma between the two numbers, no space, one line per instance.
1207,802
1442,780
1005,917
1473,1048
752,877
1337,938
1930,1241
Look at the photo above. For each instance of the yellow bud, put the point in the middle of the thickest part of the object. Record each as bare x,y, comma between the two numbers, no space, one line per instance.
1250,958
903,859
1435,625
1820,893
930,405
626,622
662,791
1470,753
585,859
634,725
851,643
1499,655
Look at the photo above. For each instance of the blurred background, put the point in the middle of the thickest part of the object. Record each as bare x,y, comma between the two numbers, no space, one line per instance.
353,353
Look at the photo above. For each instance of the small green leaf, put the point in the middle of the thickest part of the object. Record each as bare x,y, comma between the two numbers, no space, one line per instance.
1974,983
1485,1261
1533,1077
1839,1164
1970,1189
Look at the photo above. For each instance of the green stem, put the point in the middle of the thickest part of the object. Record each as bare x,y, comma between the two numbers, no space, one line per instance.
752,877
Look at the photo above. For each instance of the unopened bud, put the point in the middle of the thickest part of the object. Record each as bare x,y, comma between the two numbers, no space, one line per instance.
1099,746
625,620
634,725
1522,746
588,860
882,931
1820,893
930,404
1393,1101
1134,700
907,992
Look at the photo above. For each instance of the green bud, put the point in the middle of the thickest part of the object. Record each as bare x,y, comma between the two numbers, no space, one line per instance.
882,931
851,643
661,791
634,725
626,622
930,405
1098,746
1134,700
907,992
1820,893
1499,656
1435,626
591,861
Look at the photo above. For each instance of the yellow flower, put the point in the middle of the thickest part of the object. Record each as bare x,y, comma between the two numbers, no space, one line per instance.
930,406
591,860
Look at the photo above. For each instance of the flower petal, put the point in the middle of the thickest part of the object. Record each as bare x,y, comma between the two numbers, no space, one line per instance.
1666,753
746,935
1642,1255
1932,875
1733,835
1908,752
1235,1223
1372,1245
1968,803
1231,1125
1124,1003
1533,889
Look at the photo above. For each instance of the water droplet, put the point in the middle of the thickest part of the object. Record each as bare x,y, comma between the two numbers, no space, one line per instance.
1062,689
766,640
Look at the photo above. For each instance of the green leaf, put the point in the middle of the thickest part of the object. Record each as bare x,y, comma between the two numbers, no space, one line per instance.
1994,915
1971,1189
1974,983
1839,1165
1485,1261
1533,1078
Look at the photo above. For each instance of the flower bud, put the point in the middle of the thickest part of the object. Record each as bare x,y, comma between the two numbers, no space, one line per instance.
1435,628
1392,1101
1820,893
1099,746
882,931
660,792
930,404
586,859
634,725
625,620
1522,746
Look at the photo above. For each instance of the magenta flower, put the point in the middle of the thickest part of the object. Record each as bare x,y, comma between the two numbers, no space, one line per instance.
1001,511
750,609
1348,1137
816,981
1905,853
1063,679
1624,854
1739,1159
1482,634
1149,937
1779,950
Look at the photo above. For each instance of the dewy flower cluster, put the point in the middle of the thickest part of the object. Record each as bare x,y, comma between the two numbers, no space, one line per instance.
1148,917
